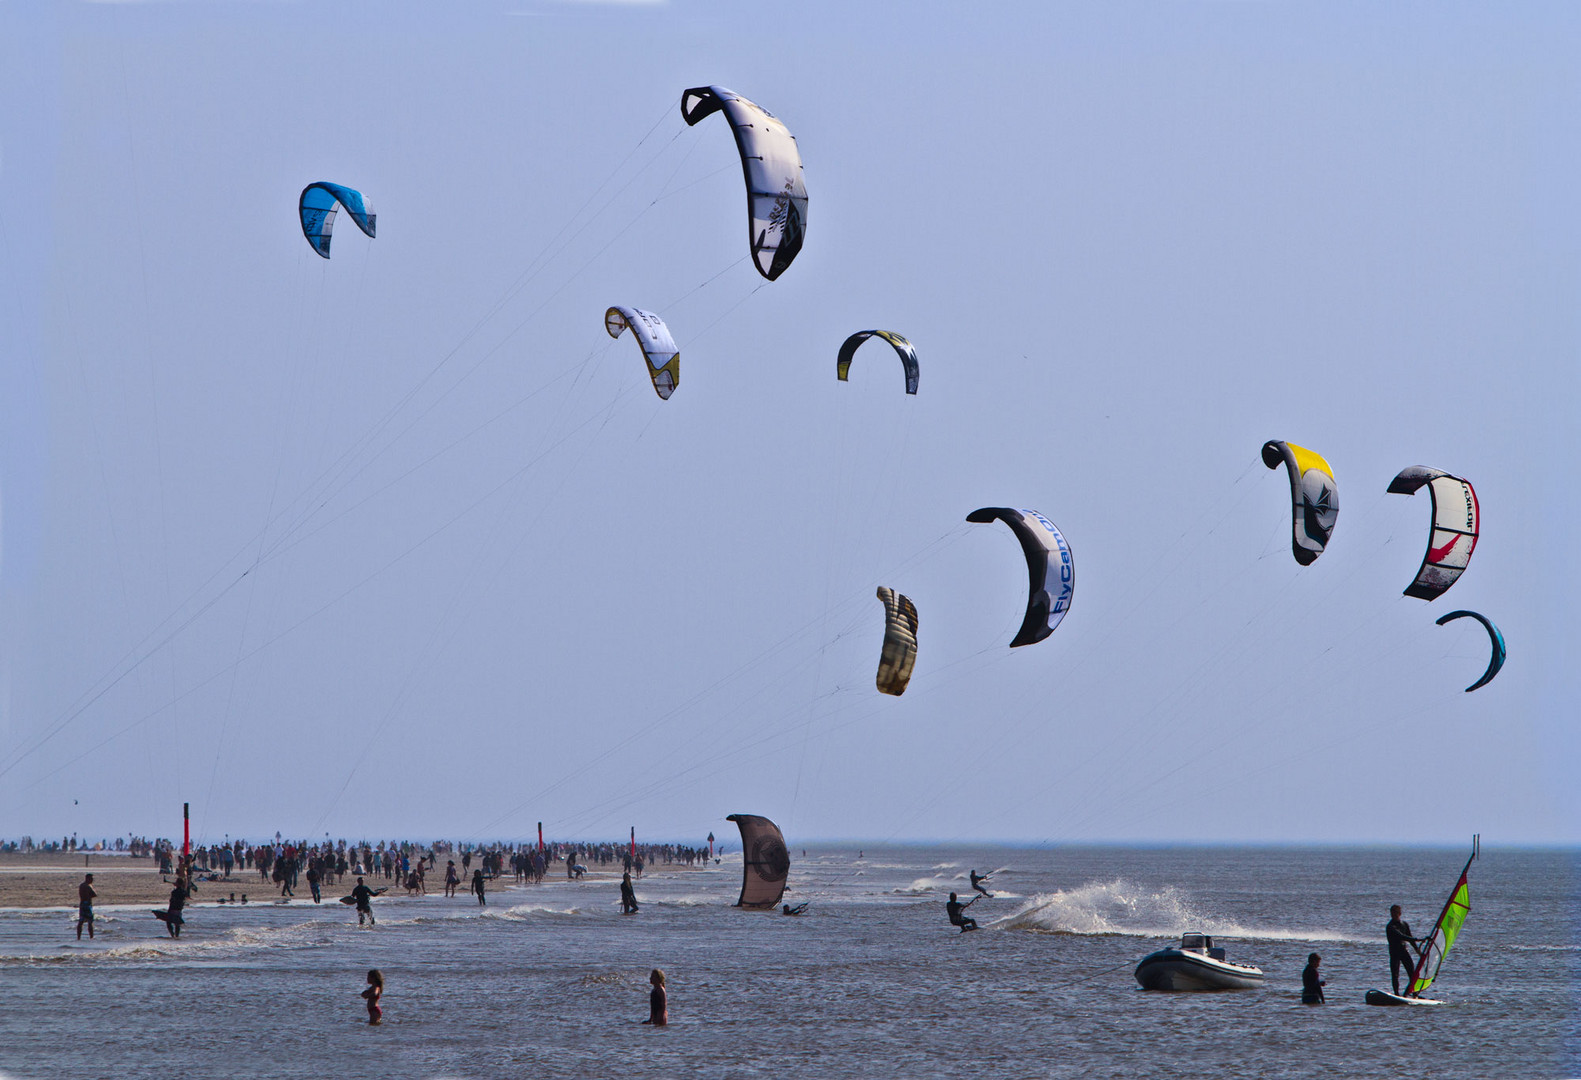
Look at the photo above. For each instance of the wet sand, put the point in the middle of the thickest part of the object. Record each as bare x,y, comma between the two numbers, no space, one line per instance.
47,880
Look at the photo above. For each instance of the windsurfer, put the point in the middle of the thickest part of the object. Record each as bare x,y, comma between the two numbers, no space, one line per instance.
957,913
1401,949
977,883
1311,985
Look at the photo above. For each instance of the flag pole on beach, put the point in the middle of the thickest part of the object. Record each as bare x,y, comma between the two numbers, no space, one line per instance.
633,841
540,838
186,830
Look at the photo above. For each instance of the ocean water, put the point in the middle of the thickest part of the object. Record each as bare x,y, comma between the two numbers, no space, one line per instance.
551,981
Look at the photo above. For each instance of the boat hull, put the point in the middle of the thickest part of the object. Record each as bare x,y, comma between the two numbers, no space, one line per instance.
1174,969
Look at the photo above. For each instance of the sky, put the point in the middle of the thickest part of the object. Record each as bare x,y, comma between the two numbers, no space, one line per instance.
401,543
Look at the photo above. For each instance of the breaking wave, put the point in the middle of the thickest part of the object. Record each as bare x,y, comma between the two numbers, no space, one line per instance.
1119,907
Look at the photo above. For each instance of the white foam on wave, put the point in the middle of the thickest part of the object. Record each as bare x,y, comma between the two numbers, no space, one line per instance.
1119,907
924,885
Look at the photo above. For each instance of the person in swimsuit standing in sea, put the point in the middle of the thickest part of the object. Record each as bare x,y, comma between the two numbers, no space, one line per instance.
658,1001
373,994
85,895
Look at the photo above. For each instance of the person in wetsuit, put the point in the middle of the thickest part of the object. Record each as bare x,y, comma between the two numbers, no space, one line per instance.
1311,985
363,896
957,913
977,883
628,895
799,909
1401,950
178,900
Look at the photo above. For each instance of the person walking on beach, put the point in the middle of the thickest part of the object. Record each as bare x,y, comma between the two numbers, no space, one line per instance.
363,897
85,895
957,913
658,1001
452,879
372,996
1311,985
977,883
628,896
477,886
1401,949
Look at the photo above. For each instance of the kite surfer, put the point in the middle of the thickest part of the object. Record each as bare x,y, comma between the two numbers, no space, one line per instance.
1401,949
628,895
172,915
658,1001
957,913
977,882
85,895
799,909
1311,985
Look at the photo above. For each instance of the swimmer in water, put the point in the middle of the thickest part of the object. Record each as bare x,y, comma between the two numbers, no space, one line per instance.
977,883
372,994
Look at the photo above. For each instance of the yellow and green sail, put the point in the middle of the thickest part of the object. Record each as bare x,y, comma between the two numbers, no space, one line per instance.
1442,939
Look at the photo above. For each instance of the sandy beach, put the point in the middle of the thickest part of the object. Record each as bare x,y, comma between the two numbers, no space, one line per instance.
49,880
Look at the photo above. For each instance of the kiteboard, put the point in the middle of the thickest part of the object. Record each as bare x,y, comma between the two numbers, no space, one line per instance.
1383,997
348,899
162,915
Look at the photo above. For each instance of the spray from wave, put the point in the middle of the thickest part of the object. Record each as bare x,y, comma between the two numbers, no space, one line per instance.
1119,907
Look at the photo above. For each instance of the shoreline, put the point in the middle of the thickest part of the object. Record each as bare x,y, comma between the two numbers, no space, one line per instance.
48,880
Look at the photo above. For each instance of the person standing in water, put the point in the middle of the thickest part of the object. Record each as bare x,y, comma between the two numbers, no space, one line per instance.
85,895
957,913
658,1001
628,896
373,994
178,900
1311,985
1401,949
452,879
477,886
977,883
363,897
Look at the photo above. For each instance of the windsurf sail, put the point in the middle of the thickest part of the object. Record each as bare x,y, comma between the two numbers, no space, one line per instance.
1445,930
765,864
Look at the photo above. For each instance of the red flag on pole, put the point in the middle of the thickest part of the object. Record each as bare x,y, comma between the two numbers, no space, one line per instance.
540,838
633,841
186,830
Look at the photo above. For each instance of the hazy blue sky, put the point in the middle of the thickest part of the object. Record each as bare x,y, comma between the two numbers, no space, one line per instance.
401,543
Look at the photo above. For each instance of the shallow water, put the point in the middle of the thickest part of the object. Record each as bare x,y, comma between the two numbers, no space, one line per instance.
551,980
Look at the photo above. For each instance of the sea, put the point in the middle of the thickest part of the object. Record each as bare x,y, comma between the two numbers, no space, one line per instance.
551,980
